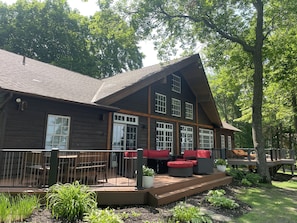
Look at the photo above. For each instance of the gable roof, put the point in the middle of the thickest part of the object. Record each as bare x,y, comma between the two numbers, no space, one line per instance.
28,76
122,85
230,127
45,80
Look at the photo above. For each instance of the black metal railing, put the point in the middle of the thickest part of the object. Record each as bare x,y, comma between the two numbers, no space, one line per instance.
43,168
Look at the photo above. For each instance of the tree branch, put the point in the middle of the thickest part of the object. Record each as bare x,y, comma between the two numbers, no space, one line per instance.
213,27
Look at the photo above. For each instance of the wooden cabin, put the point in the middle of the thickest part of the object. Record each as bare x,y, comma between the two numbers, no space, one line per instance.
165,106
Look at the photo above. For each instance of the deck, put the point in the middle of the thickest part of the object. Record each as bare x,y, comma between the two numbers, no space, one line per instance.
166,189
273,165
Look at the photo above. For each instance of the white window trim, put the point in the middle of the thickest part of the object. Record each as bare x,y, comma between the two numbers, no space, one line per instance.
125,119
223,143
160,99
167,133
189,110
206,138
176,83
57,135
229,142
187,133
175,107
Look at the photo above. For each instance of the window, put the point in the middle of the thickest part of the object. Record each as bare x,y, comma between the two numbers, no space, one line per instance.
175,107
223,144
186,138
164,136
124,131
189,111
176,84
57,132
160,103
229,142
127,119
206,138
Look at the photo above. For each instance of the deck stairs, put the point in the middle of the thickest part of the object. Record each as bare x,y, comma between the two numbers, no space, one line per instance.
173,192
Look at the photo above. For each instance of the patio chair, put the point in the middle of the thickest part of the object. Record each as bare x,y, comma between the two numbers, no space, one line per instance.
36,168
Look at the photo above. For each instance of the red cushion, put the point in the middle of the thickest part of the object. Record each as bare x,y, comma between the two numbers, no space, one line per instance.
145,152
179,164
203,153
193,161
130,154
158,153
190,153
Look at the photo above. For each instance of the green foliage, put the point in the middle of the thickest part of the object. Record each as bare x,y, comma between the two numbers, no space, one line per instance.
103,216
70,201
147,171
17,208
187,213
98,46
217,198
237,174
221,162
246,178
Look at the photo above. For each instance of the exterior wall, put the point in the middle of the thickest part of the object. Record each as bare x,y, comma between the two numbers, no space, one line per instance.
27,128
138,104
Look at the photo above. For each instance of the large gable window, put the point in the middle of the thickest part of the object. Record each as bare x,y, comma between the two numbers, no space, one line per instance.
176,83
175,107
205,138
164,136
57,132
189,111
186,138
160,103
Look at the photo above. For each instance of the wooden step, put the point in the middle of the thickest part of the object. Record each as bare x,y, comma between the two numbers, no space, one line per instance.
186,182
162,197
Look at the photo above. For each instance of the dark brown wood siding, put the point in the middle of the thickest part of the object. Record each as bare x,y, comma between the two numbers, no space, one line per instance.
137,102
202,117
164,87
27,128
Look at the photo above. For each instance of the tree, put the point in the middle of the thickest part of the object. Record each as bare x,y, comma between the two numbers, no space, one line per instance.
242,22
51,32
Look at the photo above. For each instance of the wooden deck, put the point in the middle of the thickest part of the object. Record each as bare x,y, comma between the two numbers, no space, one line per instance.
166,189
273,165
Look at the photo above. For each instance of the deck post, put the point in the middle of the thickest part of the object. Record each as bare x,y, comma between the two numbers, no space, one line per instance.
53,171
139,169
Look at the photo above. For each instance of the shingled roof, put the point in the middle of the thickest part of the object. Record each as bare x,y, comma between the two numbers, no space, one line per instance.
25,75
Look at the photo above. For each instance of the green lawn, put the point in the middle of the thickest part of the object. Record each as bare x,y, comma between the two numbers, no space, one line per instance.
271,204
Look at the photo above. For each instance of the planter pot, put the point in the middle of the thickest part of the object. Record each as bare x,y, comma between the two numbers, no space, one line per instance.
221,168
147,181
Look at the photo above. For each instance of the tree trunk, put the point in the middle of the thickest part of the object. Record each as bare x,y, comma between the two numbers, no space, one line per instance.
258,96
294,105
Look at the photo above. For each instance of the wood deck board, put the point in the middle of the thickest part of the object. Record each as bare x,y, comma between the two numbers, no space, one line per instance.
129,195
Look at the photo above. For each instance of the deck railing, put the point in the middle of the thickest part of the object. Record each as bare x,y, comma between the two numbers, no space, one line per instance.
42,168
272,154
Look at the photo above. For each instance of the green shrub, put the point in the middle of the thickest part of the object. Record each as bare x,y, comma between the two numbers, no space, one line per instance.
246,182
237,174
17,208
217,198
70,201
254,178
246,178
103,216
187,213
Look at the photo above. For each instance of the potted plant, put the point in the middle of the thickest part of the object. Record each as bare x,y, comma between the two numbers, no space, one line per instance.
148,176
221,165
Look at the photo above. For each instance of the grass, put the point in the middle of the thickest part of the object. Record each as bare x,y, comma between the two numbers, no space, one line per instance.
273,204
17,208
